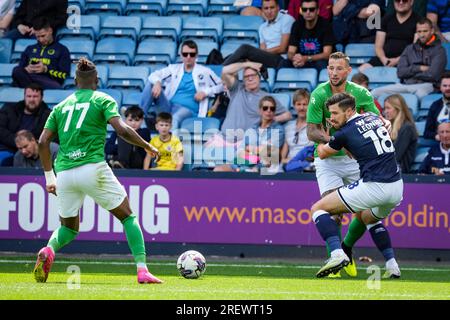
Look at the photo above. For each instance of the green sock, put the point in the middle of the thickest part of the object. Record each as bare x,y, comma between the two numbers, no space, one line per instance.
135,239
60,237
355,231
340,238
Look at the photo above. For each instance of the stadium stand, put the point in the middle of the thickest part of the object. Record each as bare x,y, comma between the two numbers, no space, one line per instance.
105,7
126,77
238,28
290,79
6,46
381,76
428,100
161,27
359,53
120,27
447,49
6,73
89,29
284,99
159,51
145,8
131,99
79,48
54,96
19,46
115,94
10,95
187,7
221,8
206,28
115,50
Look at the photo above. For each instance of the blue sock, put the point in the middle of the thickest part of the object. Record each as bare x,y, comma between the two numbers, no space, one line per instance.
328,229
382,240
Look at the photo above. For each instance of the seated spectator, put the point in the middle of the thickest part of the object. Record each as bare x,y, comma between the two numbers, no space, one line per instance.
29,114
351,20
273,37
27,155
293,154
7,8
47,62
121,154
421,64
168,145
260,148
30,10
397,31
361,79
404,133
438,11
311,41
438,159
419,7
187,88
439,110
325,9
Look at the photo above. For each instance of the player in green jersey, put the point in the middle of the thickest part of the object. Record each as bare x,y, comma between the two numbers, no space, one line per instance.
80,122
339,170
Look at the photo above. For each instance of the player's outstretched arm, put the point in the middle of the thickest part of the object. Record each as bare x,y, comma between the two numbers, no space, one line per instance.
46,159
325,151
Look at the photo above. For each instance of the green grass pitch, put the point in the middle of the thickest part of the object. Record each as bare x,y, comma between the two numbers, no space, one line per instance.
223,280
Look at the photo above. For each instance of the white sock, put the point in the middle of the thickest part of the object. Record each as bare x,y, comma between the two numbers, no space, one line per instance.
337,252
142,265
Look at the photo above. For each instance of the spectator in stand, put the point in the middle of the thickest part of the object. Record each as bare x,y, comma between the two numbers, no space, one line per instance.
27,155
7,8
273,37
397,32
121,154
419,7
351,20
438,159
187,88
439,110
325,9
438,11
311,41
421,64
30,10
169,146
297,148
29,114
404,133
47,62
361,79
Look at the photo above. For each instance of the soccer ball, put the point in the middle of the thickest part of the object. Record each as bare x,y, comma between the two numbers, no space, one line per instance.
191,264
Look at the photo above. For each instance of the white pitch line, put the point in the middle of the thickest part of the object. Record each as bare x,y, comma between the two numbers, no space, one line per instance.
123,263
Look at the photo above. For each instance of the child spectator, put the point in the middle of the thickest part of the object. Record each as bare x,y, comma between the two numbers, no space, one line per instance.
168,145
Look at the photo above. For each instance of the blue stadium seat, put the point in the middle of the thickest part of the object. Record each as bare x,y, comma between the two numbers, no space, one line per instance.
360,53
6,74
120,26
289,79
81,4
102,74
115,94
6,46
447,48
187,7
381,76
204,48
411,100
217,68
202,28
115,50
89,29
131,99
222,8
421,153
231,46
420,125
127,77
428,100
145,8
197,127
11,95
105,7
161,27
19,46
156,52
239,28
283,98
54,96
79,48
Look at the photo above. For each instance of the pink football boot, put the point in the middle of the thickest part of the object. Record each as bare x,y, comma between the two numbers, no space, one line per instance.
43,264
146,277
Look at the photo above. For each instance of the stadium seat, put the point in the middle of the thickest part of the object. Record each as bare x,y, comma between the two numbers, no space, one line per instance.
159,51
19,46
204,48
360,53
186,7
102,74
222,8
421,115
89,29
411,100
115,94
231,46
421,153
11,95
6,74
144,8
240,28
420,125
79,3
161,27
79,48
54,96
217,68
127,77
289,79
381,76
115,50
283,98
427,101
202,28
105,7
122,26
131,99
447,48
203,124
6,46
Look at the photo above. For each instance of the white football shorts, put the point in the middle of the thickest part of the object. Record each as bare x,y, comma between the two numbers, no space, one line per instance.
335,172
95,180
380,197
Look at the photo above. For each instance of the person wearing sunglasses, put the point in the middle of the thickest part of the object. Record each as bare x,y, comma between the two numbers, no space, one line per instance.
312,40
188,85
437,161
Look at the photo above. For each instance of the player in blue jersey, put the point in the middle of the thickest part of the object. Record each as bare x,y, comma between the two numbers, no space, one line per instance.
373,196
